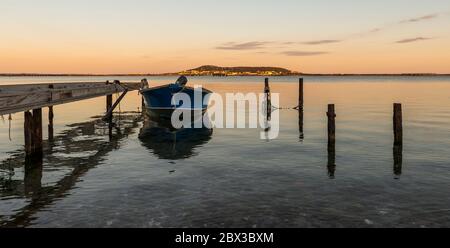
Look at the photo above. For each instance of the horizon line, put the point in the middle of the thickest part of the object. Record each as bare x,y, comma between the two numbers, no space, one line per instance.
24,74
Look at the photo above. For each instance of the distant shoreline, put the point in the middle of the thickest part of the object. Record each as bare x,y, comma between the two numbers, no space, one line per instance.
262,75
220,71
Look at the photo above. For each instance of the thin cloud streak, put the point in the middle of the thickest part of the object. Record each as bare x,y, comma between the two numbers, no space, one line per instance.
243,46
303,53
259,45
406,21
412,40
320,42
421,18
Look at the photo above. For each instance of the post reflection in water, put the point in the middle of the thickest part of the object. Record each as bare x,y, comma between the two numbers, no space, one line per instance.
398,161
300,123
166,142
331,162
33,174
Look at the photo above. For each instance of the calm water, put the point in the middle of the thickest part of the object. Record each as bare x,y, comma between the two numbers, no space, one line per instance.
231,178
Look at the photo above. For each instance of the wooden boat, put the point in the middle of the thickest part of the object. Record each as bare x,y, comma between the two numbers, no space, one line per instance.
159,100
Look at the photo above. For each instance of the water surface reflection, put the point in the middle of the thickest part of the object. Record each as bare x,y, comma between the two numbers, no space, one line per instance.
72,154
166,142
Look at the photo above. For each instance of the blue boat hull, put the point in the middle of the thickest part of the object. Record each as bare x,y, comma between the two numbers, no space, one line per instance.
159,100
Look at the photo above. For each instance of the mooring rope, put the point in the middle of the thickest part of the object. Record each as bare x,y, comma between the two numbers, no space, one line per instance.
285,108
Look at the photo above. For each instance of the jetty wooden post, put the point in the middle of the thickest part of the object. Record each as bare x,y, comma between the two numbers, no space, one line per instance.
109,102
398,125
331,126
50,115
28,128
37,132
109,114
33,132
50,123
300,94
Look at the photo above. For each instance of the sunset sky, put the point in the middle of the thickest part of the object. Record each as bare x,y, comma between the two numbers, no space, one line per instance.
154,36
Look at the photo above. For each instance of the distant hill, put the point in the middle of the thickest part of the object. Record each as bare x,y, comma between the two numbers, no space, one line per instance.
212,70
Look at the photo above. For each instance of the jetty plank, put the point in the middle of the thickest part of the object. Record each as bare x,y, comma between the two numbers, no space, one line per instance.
19,98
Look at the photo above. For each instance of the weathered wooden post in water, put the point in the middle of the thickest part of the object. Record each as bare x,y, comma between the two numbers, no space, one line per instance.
268,98
331,126
33,132
300,108
398,140
300,94
398,125
331,114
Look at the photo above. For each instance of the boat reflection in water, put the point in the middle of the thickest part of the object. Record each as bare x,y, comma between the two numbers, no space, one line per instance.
167,142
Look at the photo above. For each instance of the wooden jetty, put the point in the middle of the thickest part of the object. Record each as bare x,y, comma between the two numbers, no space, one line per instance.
31,98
